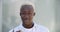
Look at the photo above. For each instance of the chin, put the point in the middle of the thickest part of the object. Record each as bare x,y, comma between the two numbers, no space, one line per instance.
27,24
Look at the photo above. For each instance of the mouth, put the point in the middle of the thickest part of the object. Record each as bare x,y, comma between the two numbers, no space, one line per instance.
26,19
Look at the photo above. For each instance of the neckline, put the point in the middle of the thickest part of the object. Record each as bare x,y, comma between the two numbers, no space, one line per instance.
29,28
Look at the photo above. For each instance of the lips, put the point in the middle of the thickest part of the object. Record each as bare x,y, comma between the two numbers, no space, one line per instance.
26,20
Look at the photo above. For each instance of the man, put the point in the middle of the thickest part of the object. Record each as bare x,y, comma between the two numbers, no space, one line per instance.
27,13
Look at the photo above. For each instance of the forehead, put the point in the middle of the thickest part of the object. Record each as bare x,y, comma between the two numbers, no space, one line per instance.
27,8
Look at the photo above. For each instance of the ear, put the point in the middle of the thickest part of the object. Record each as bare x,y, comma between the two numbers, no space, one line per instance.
20,14
34,13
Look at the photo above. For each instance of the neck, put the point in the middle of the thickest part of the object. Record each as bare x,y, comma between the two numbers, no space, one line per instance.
28,26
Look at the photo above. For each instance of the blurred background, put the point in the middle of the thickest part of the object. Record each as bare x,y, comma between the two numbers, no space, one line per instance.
47,14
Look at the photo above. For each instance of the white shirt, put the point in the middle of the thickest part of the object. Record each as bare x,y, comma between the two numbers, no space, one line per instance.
35,28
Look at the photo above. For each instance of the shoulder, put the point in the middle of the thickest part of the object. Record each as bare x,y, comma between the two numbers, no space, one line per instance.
42,28
15,29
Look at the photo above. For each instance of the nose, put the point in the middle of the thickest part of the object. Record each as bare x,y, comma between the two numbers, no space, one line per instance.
26,16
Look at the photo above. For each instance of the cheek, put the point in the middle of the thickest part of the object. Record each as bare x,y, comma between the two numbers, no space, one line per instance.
22,17
31,17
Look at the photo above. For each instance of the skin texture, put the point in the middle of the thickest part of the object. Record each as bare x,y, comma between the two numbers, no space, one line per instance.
27,13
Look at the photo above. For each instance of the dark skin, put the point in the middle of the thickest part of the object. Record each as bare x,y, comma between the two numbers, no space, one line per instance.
27,13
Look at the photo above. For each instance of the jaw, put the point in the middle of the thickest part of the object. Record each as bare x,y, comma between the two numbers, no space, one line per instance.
28,25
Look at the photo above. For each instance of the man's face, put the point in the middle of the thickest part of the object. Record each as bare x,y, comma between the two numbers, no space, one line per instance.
27,13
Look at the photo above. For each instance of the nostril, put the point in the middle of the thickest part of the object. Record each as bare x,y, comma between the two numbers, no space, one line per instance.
26,16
